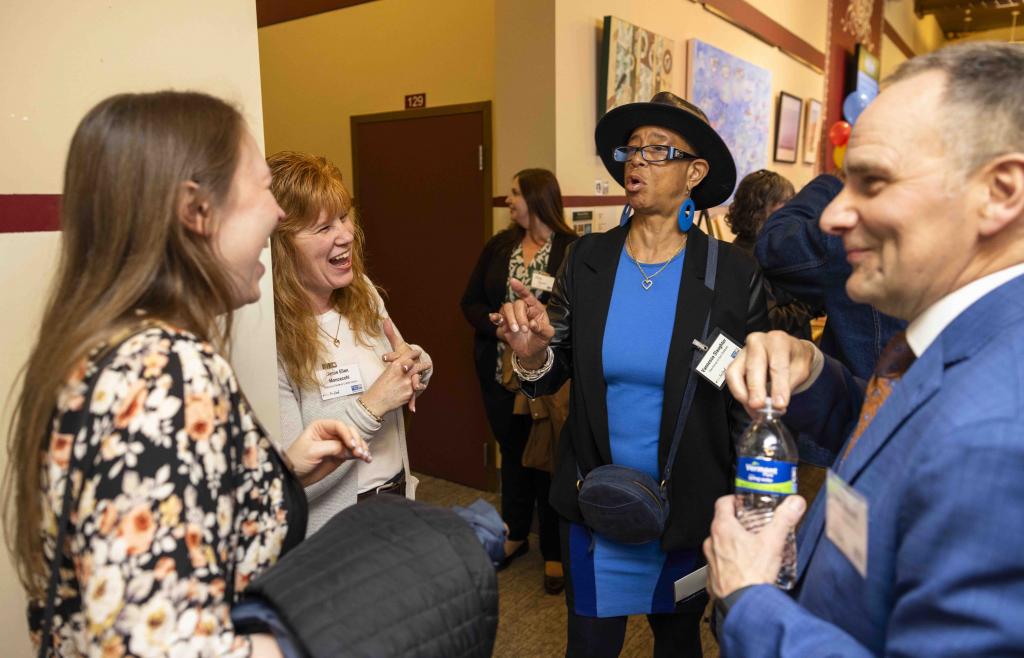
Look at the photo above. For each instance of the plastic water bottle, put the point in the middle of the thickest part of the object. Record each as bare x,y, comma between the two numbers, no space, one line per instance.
766,461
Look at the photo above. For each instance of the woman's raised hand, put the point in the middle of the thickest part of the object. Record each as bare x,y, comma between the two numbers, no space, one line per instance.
322,446
400,381
524,325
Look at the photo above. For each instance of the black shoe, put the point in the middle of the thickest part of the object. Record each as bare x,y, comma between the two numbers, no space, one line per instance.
554,584
523,549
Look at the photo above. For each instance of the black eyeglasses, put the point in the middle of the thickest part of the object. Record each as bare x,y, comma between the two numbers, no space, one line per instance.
652,153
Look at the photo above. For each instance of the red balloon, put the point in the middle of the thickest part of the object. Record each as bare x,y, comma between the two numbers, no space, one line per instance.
839,133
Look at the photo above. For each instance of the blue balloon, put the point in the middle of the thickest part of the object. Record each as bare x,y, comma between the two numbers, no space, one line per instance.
854,105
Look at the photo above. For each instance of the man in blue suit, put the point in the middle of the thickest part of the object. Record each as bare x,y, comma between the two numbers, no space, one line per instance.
916,547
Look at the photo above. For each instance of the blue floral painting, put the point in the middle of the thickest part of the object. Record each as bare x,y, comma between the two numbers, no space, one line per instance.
737,97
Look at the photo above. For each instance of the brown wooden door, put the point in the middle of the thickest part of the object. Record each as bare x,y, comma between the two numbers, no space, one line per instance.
422,188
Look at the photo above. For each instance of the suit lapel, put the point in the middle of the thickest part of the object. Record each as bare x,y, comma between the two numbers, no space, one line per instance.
594,281
918,385
913,391
691,308
976,327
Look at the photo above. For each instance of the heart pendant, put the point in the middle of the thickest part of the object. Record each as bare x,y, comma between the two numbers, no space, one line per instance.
647,283
337,343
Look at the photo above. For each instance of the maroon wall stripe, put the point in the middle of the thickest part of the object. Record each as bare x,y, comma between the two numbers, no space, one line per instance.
890,31
271,12
575,201
746,17
25,213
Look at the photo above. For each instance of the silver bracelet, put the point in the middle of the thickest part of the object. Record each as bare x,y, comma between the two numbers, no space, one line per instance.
528,375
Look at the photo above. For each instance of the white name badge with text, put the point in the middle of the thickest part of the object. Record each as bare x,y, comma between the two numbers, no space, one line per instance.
338,381
542,281
846,521
721,352
691,584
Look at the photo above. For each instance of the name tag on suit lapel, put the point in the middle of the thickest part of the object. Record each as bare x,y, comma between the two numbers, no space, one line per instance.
846,521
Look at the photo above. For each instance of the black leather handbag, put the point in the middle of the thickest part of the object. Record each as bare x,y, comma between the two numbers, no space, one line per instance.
627,505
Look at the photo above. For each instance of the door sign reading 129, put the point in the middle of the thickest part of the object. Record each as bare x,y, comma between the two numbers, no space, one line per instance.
415,101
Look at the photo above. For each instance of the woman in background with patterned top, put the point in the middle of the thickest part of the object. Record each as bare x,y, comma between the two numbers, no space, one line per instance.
531,251
165,210
339,355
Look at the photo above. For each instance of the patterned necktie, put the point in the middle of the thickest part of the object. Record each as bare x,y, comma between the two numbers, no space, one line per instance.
892,363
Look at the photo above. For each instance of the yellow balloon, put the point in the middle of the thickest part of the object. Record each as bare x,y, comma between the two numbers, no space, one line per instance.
838,154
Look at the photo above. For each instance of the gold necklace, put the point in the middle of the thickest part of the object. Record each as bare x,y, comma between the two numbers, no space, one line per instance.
334,338
649,279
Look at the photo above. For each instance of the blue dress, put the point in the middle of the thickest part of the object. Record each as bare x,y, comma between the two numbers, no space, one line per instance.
611,579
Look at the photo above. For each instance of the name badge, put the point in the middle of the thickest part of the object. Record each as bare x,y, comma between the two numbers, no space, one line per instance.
846,521
716,360
542,281
337,381
691,584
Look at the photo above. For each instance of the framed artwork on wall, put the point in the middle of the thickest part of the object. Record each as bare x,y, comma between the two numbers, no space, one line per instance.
812,130
635,64
787,127
736,95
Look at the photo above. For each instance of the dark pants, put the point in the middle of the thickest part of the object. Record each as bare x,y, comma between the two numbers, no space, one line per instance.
523,489
676,635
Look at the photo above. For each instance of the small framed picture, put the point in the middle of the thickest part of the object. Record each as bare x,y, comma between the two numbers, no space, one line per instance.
787,127
812,130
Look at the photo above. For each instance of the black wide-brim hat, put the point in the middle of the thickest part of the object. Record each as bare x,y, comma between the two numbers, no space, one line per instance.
667,110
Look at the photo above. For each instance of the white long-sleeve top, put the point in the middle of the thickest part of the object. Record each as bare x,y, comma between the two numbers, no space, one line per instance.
302,406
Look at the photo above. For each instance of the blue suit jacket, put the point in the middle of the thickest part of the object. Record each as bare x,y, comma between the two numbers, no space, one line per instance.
942,468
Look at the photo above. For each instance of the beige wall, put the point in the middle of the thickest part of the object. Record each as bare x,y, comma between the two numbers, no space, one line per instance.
524,92
59,58
807,19
923,35
319,71
577,23
999,34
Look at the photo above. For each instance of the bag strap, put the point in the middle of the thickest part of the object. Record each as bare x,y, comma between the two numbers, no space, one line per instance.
65,511
710,272
710,275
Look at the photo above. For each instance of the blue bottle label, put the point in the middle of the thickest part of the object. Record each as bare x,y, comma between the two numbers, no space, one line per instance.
765,476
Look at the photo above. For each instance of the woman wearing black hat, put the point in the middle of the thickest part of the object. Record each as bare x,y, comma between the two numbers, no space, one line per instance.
628,308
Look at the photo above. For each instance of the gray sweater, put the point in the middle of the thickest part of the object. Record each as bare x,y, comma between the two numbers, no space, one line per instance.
302,406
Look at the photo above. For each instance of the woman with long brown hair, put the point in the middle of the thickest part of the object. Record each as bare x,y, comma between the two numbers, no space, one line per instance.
339,355
130,426
530,251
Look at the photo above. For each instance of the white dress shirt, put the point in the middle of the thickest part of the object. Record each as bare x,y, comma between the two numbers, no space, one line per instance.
925,328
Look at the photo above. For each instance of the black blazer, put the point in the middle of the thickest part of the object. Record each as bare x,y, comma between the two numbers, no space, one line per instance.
485,293
578,308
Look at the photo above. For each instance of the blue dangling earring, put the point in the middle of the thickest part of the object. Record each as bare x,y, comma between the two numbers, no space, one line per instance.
686,213
625,215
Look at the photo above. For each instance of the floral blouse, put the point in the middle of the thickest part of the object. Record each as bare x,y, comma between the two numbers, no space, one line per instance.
163,520
519,270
